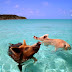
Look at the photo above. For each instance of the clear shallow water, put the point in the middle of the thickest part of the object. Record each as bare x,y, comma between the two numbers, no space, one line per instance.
14,31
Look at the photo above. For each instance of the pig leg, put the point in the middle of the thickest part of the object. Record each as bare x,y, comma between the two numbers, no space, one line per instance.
56,49
34,59
65,47
20,67
47,46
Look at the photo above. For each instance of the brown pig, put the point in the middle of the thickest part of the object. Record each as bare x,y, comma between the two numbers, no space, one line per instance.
22,52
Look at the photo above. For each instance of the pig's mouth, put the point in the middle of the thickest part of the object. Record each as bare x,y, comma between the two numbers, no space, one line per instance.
36,48
38,44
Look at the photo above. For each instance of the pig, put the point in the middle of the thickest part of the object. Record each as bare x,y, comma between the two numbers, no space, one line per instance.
23,52
58,43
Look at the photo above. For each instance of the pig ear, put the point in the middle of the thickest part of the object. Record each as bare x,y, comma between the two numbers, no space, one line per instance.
24,43
17,50
47,34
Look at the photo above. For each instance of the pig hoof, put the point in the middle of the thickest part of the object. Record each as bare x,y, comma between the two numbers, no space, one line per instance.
35,60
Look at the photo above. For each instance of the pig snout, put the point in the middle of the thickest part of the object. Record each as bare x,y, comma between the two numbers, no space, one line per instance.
39,43
37,46
35,37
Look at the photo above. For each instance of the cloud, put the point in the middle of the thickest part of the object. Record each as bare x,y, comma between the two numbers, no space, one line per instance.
19,13
8,1
34,12
23,9
16,6
65,13
45,3
37,11
71,12
31,12
62,12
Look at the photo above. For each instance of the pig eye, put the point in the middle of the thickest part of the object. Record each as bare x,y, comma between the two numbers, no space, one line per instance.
26,48
45,36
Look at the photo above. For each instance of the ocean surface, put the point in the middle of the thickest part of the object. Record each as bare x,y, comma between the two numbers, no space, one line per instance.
14,31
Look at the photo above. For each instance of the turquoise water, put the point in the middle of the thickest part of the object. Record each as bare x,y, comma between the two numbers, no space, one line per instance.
14,31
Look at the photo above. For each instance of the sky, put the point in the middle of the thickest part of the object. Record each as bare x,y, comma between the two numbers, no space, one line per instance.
38,9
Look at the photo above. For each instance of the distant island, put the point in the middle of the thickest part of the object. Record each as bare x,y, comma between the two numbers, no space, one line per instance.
9,17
